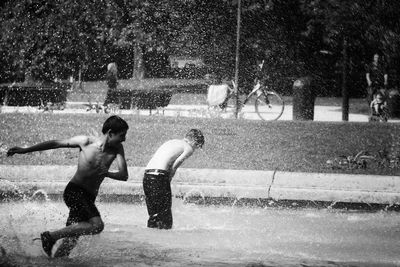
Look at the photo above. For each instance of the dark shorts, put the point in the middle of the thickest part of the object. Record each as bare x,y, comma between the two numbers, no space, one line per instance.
80,203
157,191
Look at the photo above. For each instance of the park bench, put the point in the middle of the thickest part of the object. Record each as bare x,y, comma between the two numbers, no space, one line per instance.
33,94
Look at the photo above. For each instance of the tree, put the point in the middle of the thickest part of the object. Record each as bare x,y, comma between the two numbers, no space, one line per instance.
142,26
271,30
351,30
59,38
52,39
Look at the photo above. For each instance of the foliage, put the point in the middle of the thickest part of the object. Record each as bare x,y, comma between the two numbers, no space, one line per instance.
367,26
140,99
49,40
46,40
33,94
365,159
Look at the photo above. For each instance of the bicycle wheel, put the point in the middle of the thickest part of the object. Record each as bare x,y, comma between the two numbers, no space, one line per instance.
269,105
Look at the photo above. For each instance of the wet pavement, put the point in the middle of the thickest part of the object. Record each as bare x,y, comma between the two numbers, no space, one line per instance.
207,236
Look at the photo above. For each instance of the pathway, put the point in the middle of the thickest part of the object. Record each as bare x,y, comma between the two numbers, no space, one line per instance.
321,113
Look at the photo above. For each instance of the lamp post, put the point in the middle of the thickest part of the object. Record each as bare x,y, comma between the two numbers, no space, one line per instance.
237,58
345,91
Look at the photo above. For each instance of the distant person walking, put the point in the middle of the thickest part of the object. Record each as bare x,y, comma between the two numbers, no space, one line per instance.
96,155
376,76
158,175
112,76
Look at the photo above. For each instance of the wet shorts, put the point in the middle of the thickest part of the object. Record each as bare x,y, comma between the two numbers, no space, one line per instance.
157,190
80,203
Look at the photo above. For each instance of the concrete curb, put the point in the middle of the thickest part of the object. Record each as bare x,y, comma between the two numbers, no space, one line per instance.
214,183
337,188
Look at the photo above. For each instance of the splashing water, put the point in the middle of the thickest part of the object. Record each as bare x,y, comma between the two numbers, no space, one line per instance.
9,191
22,222
28,206
208,236
40,195
196,195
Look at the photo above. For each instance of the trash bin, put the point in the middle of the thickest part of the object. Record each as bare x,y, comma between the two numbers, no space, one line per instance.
393,103
303,99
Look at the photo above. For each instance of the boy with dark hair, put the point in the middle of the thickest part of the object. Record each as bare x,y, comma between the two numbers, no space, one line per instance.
158,175
96,155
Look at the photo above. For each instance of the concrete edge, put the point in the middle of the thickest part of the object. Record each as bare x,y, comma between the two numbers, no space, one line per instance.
215,183
336,187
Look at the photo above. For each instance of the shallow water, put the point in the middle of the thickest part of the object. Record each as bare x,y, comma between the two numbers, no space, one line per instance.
208,236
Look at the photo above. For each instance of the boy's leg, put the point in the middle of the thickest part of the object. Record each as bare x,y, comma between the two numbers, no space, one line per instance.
150,185
91,227
66,247
165,221
158,201
84,217
165,217
82,212
47,242
161,219
370,94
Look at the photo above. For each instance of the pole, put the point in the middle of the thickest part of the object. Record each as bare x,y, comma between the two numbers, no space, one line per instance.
345,92
237,58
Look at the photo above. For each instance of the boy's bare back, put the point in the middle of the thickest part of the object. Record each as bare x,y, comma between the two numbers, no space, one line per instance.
172,151
94,162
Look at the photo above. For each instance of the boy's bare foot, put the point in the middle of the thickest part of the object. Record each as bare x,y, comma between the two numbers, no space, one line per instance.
47,242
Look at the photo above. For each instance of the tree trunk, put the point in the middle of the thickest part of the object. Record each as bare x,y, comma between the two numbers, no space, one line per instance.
138,66
239,11
345,91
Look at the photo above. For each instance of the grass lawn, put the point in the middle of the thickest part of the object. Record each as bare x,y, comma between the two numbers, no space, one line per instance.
230,144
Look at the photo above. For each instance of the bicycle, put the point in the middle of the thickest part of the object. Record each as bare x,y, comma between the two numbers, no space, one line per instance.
268,105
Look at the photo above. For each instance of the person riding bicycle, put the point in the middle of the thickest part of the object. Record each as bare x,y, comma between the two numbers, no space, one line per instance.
263,71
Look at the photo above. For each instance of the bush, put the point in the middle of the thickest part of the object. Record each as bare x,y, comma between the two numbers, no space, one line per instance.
140,99
33,94
189,72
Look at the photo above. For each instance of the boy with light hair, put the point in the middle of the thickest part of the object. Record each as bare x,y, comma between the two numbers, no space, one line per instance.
158,175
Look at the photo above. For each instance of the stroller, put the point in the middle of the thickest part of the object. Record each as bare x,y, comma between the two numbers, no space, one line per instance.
378,108
218,95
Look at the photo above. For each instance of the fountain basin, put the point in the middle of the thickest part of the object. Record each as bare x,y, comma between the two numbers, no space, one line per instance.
226,184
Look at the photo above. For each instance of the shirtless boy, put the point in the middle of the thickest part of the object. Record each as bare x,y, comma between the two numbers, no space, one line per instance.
158,175
96,155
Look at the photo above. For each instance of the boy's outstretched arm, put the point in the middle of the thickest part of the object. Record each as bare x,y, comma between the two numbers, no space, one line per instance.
122,173
76,141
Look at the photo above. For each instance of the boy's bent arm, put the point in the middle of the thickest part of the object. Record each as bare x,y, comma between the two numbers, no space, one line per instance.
178,162
122,173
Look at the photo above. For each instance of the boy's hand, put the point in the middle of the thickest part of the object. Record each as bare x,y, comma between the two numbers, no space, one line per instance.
15,150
